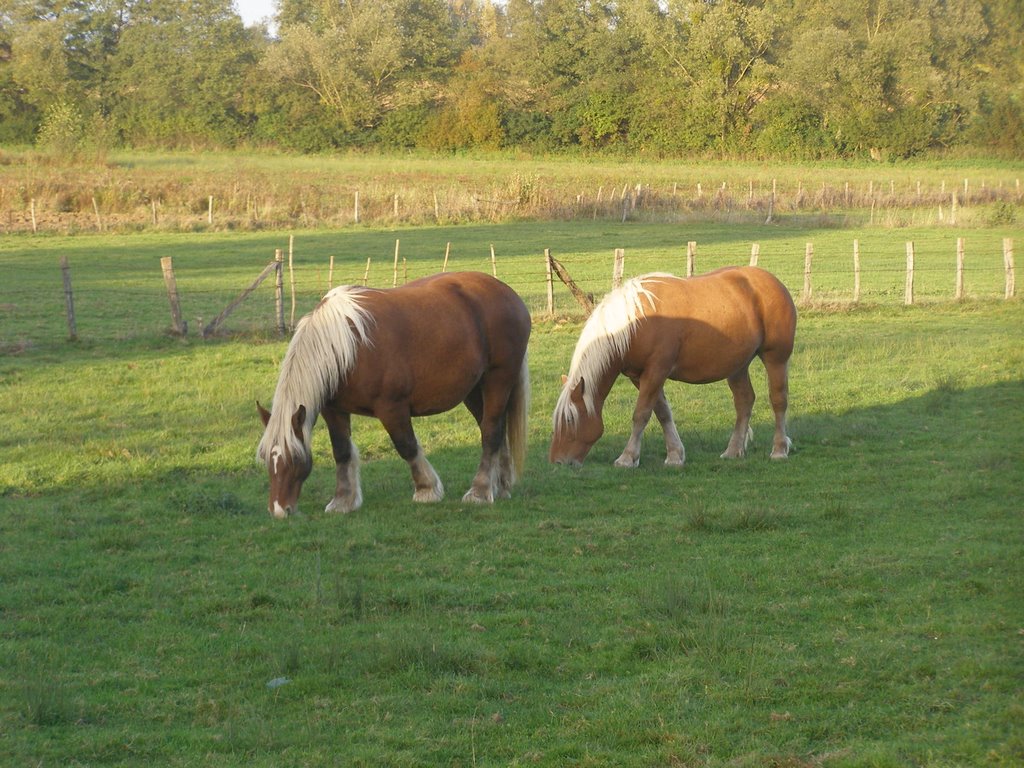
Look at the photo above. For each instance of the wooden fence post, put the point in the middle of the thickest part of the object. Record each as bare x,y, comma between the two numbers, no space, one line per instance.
549,281
394,278
958,293
755,253
856,271
209,211
691,255
69,299
32,208
209,329
279,290
355,208
96,212
330,274
494,262
177,326
618,267
291,279
808,258
366,273
1011,282
908,296
447,252
563,275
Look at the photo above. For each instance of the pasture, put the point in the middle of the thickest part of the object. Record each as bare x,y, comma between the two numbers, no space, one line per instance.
856,605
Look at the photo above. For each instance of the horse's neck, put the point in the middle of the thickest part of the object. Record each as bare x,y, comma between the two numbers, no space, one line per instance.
599,391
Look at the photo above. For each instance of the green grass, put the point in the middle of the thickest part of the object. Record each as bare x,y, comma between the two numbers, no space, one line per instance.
856,605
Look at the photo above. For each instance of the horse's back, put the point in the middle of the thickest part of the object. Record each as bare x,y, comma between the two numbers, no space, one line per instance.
713,324
728,294
475,299
432,340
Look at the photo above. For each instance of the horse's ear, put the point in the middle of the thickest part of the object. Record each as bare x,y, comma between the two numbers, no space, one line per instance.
264,413
299,420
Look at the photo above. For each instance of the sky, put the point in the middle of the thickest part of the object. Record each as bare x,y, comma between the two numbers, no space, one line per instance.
252,11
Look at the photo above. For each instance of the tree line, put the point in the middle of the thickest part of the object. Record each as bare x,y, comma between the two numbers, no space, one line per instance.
794,79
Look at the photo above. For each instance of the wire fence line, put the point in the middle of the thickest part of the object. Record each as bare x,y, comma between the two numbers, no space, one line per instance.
268,299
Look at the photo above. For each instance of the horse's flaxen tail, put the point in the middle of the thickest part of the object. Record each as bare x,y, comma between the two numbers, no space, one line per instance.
515,417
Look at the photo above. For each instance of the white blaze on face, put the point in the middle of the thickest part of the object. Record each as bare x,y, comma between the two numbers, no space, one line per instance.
275,455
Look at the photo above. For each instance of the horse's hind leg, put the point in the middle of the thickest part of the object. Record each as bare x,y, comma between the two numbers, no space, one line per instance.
743,399
427,485
348,495
778,393
494,476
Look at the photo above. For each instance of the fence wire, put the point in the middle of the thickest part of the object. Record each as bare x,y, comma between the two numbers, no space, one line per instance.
121,299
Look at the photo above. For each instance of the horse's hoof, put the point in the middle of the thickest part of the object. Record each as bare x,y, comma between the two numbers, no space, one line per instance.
428,495
783,453
343,505
674,462
627,463
472,497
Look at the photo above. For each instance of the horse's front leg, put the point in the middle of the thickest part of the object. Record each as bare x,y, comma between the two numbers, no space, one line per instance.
675,453
426,484
647,396
348,494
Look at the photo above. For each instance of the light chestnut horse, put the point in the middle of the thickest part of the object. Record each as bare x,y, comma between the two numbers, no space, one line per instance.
416,350
696,330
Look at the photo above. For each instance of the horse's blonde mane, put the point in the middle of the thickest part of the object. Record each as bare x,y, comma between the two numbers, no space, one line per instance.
320,355
605,338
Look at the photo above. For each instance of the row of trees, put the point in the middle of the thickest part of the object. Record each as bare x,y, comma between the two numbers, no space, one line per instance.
780,78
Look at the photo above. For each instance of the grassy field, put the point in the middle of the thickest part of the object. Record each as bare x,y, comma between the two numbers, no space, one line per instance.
857,605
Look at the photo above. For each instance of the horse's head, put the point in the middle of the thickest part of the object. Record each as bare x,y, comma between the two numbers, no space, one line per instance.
286,469
576,428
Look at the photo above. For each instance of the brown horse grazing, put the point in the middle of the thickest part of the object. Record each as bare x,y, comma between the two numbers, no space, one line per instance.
697,330
416,350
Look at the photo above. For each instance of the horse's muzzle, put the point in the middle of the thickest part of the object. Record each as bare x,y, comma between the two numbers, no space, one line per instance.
280,512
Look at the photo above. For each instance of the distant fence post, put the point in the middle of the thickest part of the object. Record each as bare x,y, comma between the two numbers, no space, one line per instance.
447,253
549,281
355,208
856,271
908,295
177,326
1011,281
279,290
69,299
808,257
755,253
691,255
494,262
394,278
618,267
958,293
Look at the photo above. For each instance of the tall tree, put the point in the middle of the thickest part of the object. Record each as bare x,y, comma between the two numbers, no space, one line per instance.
179,72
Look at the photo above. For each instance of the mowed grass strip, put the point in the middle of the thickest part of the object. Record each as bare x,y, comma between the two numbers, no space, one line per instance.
857,604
